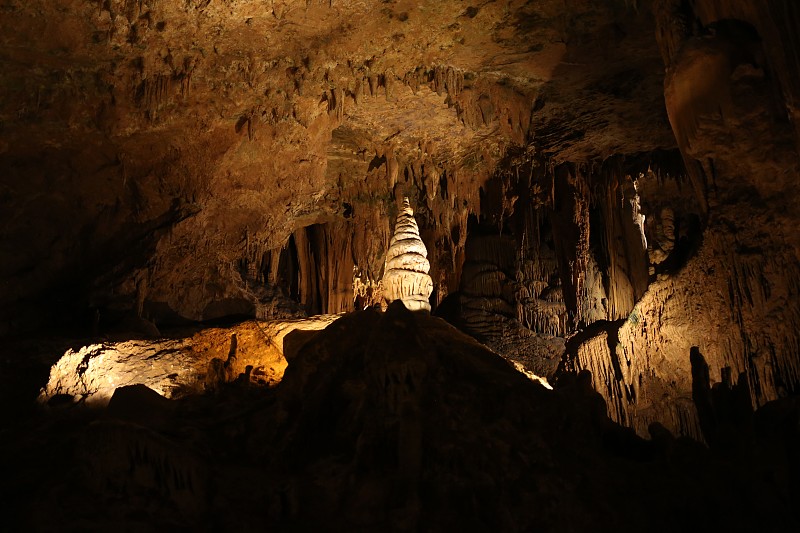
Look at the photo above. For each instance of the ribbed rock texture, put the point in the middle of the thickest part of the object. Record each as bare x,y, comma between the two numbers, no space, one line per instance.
405,273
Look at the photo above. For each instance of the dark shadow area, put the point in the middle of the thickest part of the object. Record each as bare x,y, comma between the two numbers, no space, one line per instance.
376,162
724,410
701,396
383,419
294,341
228,310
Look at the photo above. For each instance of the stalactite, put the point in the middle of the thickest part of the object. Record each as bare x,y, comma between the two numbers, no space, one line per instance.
389,82
454,82
308,268
392,170
153,94
141,292
335,245
358,92
413,79
417,175
431,181
186,76
371,235
274,265
373,84
438,79
338,95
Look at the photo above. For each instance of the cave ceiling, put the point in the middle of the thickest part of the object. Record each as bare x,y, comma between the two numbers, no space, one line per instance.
138,126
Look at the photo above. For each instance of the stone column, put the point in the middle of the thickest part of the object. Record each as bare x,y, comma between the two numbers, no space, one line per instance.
405,274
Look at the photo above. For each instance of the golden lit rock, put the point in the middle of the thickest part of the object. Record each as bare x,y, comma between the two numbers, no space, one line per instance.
258,351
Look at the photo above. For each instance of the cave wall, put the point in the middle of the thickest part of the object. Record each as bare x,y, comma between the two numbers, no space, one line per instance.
655,258
560,249
730,93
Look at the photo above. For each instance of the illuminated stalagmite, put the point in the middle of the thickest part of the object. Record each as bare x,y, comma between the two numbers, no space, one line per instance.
406,270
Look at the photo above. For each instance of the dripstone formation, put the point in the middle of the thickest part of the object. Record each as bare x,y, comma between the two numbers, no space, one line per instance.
405,275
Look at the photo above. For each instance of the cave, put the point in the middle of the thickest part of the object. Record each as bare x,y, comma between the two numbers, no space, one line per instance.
400,266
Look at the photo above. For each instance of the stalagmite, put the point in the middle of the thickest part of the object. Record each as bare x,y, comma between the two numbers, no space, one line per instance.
406,270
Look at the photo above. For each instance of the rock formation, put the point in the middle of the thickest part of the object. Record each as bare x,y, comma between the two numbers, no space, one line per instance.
405,274
175,368
512,304
605,189
395,421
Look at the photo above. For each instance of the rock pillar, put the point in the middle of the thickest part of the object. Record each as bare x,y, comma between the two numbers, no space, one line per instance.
405,274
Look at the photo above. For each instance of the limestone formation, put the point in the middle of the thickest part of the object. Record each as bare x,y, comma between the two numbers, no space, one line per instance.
406,270
177,367
521,317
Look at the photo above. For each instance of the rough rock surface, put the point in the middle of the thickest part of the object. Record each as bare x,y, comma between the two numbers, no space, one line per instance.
173,368
392,421
167,157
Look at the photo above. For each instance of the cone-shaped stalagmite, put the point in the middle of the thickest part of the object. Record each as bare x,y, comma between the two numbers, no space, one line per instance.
406,271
